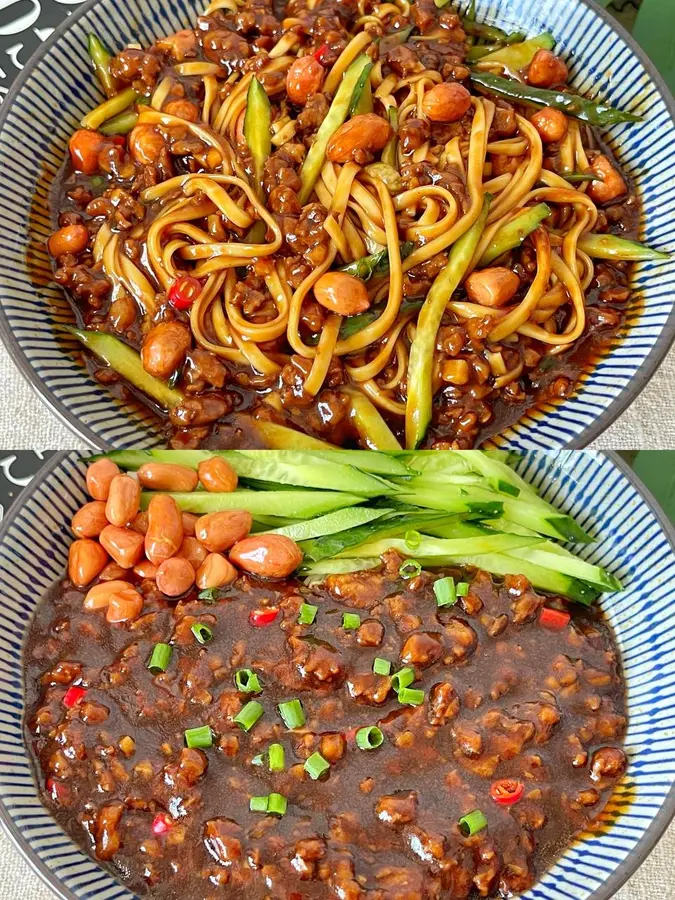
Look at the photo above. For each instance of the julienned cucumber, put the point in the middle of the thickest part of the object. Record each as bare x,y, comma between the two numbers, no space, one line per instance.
366,460
291,504
429,547
396,524
566,565
289,467
332,523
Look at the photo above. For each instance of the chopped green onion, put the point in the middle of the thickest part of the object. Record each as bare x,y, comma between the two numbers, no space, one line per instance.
445,591
351,621
199,738
202,632
277,758
463,589
413,539
402,678
249,715
258,760
316,765
159,658
277,804
307,614
247,682
369,738
472,823
292,713
210,594
410,569
258,804
381,666
411,697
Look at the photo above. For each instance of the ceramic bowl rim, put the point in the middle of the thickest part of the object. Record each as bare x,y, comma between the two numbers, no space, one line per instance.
620,403
623,871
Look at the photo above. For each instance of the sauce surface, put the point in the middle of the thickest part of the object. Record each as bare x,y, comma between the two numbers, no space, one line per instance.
504,698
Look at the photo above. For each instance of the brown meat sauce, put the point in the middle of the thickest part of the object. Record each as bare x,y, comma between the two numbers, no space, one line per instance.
465,413
503,698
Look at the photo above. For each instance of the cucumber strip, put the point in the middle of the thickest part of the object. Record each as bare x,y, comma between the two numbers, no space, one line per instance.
332,523
292,504
518,56
127,362
498,470
539,577
100,57
257,130
283,467
567,565
432,462
521,510
281,437
419,403
368,422
372,461
514,232
337,567
449,499
334,544
337,113
430,547
366,460
110,108
611,246
305,470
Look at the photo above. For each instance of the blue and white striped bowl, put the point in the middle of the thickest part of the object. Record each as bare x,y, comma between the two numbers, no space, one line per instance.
57,88
634,541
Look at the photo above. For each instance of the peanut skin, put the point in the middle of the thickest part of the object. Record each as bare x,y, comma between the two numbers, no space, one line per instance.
164,536
267,555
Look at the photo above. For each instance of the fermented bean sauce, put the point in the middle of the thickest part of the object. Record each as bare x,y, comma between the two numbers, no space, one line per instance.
504,698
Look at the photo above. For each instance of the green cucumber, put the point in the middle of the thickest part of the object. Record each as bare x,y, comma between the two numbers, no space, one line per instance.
332,545
331,523
430,547
567,565
292,504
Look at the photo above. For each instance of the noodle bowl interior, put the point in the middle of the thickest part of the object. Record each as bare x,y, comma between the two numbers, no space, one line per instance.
374,224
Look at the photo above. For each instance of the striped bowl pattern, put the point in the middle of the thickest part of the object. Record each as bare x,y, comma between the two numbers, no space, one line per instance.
634,540
57,88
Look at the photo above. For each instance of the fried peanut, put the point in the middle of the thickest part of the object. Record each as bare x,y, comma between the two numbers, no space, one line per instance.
124,545
446,102
167,477
175,576
217,475
165,529
363,134
342,293
267,555
99,478
123,501
90,520
86,558
215,572
221,530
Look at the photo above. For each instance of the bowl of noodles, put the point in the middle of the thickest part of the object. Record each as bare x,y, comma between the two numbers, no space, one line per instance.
378,225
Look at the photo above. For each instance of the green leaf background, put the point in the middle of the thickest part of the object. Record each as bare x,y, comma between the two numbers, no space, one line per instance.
653,25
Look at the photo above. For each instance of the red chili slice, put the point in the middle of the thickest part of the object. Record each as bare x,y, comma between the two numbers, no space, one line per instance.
321,53
259,618
73,696
161,823
507,791
184,291
57,790
555,619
